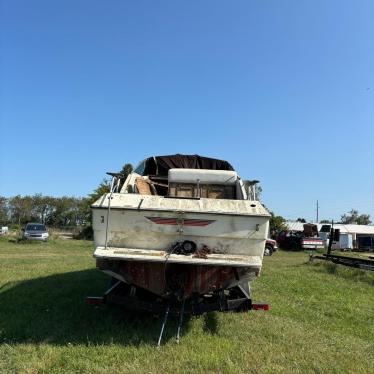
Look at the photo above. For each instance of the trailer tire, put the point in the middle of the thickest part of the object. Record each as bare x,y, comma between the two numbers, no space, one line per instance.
268,250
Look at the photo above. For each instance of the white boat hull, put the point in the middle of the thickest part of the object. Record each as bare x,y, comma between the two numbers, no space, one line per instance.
135,236
144,228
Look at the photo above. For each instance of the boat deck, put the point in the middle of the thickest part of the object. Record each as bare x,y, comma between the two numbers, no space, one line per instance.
215,259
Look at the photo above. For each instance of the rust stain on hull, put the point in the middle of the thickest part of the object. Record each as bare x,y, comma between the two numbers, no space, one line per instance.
163,279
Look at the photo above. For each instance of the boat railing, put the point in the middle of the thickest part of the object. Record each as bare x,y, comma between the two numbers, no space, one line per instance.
115,185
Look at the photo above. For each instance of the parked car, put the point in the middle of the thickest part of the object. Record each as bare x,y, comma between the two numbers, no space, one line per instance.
4,230
270,247
35,231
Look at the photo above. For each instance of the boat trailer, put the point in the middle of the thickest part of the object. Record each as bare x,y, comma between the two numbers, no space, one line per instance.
354,262
133,298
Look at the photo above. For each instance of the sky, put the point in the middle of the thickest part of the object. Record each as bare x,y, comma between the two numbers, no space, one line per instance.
283,90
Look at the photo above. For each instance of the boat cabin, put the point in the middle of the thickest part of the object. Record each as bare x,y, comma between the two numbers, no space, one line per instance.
188,177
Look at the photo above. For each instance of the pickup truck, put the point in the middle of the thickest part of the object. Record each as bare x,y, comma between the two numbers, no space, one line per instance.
270,247
299,240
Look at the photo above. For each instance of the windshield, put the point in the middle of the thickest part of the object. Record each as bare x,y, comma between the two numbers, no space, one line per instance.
140,168
35,227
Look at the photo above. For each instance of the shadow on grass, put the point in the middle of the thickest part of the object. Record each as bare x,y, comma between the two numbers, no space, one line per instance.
210,324
18,240
53,310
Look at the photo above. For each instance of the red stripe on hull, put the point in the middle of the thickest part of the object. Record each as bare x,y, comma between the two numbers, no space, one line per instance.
174,221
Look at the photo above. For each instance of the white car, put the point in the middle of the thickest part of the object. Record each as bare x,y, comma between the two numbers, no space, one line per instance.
35,231
4,230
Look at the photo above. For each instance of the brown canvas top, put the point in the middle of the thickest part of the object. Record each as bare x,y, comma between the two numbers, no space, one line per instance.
160,165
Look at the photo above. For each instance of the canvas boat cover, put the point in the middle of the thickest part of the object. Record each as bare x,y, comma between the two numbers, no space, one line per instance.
160,165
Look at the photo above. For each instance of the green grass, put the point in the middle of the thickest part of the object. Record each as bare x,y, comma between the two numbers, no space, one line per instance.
321,320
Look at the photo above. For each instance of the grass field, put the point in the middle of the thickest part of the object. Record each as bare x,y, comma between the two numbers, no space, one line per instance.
321,320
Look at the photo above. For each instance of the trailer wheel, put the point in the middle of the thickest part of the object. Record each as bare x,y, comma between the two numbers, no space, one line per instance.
268,250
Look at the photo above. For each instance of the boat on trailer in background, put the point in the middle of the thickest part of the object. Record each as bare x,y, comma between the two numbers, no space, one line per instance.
182,234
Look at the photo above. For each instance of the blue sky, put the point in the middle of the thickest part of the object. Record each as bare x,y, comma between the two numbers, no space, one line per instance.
284,90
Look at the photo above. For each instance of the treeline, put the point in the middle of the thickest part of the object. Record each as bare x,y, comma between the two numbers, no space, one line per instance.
52,211
65,211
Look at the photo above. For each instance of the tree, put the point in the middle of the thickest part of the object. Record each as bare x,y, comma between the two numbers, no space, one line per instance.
324,221
54,211
354,217
302,220
364,219
21,209
3,210
43,207
350,217
68,211
125,171
277,225
104,186
100,190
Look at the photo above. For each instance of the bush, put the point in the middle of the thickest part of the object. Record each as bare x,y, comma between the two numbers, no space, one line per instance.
85,234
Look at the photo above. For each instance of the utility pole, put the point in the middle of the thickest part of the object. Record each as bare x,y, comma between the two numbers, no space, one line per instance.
317,211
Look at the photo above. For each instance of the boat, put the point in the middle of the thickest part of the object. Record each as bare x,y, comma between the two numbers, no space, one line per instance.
181,231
